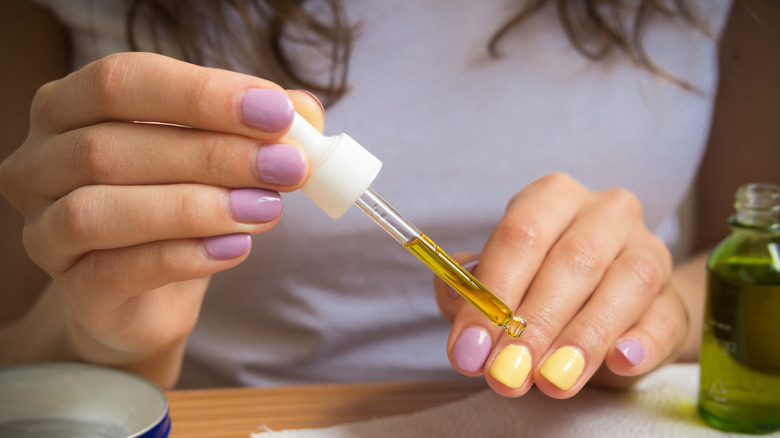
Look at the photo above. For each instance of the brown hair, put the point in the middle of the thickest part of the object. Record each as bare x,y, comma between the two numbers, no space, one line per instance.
261,36
596,28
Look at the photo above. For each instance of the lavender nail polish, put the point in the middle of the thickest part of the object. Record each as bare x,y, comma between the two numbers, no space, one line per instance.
228,246
471,350
267,109
281,164
255,205
632,350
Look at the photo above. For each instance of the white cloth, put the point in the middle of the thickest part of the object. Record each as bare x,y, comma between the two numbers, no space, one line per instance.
459,134
662,405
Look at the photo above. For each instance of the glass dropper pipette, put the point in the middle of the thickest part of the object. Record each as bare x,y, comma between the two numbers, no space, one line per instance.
440,263
340,174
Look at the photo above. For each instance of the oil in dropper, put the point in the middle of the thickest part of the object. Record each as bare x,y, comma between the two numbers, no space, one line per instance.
466,285
341,171
458,278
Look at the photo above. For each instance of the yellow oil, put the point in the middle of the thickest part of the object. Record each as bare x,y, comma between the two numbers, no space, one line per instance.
466,285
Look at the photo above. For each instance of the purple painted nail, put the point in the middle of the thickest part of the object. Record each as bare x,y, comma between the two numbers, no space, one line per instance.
228,246
632,350
255,205
267,109
281,164
471,350
469,266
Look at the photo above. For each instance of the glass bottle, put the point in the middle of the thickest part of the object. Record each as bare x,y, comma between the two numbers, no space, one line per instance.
739,386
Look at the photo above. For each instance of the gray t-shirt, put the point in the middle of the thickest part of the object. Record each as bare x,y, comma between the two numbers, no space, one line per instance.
459,133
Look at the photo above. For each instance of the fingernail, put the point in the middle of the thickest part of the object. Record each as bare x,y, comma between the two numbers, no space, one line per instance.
281,164
471,350
227,246
511,366
563,367
255,205
267,109
632,350
314,98
469,266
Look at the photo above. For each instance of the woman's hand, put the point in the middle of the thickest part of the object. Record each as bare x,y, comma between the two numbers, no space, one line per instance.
592,282
140,177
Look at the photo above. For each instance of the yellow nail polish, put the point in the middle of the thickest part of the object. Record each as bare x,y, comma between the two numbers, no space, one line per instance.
563,367
512,365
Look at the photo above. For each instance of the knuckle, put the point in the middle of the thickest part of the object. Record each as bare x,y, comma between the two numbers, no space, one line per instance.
644,273
625,201
580,254
667,325
73,216
544,331
166,260
107,76
93,153
598,332
559,181
524,234
206,96
212,157
40,107
189,202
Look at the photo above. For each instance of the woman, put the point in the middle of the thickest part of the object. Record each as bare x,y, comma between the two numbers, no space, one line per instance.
132,220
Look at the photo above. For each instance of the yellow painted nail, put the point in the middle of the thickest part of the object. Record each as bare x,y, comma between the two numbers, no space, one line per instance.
512,365
563,367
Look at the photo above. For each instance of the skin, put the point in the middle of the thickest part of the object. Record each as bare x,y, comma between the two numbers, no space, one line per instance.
579,264
128,272
582,267
105,224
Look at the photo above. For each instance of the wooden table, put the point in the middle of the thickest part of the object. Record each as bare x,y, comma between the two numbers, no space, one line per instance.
237,412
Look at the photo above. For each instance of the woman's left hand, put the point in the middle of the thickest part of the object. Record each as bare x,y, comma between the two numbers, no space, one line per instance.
592,281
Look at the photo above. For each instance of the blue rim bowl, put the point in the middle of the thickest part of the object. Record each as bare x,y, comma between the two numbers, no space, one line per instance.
71,399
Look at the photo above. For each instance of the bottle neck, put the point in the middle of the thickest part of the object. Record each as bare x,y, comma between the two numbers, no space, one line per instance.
757,207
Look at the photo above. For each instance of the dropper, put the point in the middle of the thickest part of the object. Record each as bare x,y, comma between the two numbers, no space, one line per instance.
340,174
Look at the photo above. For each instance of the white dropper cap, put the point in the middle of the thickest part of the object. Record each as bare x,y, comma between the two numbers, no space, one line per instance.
340,169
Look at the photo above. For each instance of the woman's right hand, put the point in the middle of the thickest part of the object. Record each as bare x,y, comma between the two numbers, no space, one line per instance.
140,177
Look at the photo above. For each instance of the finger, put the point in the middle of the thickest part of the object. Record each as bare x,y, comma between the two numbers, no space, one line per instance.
630,284
572,275
510,259
448,300
309,106
102,281
531,225
117,153
107,217
154,88
653,340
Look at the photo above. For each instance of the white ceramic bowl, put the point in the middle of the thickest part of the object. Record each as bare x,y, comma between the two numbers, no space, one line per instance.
66,400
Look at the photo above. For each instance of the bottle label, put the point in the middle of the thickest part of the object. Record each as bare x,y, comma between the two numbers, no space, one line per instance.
744,320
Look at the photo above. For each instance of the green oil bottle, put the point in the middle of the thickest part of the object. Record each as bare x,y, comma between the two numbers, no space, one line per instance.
739,387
